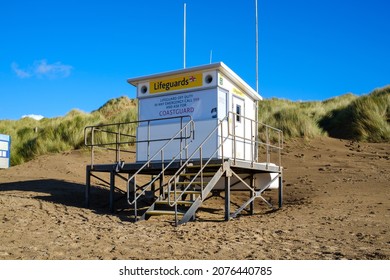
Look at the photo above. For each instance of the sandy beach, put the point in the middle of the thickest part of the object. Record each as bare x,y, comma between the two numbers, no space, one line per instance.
336,206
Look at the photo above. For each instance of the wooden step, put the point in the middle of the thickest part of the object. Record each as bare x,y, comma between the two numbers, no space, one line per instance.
163,212
180,202
178,192
188,183
205,174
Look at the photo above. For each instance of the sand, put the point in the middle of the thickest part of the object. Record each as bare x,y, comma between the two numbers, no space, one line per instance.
336,206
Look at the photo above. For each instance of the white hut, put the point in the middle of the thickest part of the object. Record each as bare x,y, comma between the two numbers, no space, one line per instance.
197,134
205,94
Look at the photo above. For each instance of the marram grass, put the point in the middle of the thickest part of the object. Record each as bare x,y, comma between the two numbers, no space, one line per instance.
31,138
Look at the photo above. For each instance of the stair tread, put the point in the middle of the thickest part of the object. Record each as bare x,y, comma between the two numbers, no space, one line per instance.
188,183
163,212
178,192
185,202
207,174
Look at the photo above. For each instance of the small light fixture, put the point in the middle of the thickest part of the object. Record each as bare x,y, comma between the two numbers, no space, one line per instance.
208,79
144,89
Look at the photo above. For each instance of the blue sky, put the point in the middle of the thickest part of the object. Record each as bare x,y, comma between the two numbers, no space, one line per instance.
56,56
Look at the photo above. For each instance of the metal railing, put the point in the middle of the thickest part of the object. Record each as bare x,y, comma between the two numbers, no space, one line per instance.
260,136
116,137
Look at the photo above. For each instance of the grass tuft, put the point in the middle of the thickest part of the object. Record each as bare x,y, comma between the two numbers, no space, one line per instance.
365,119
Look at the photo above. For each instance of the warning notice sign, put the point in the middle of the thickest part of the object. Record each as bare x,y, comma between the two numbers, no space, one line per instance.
199,105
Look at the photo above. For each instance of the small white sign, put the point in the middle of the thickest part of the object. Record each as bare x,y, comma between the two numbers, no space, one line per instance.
5,151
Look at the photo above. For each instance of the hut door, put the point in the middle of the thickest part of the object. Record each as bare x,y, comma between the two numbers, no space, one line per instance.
238,127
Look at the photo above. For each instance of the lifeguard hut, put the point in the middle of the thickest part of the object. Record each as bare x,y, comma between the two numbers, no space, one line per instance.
197,133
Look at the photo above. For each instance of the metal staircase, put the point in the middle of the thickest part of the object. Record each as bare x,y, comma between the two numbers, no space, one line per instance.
181,192
184,197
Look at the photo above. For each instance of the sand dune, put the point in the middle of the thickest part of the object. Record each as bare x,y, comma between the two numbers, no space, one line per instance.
336,206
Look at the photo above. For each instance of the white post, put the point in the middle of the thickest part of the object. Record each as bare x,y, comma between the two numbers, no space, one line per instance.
184,35
257,49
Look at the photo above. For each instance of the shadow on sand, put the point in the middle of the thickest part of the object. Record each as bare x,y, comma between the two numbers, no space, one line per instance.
66,193
73,194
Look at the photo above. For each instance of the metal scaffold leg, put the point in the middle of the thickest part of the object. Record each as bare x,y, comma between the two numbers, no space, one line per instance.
227,197
280,190
252,194
88,186
112,190
252,204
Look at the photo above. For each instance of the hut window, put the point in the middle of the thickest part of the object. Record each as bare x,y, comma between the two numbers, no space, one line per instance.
238,113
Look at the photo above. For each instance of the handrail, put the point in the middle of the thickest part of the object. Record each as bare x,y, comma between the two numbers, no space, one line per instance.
257,141
191,124
90,131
